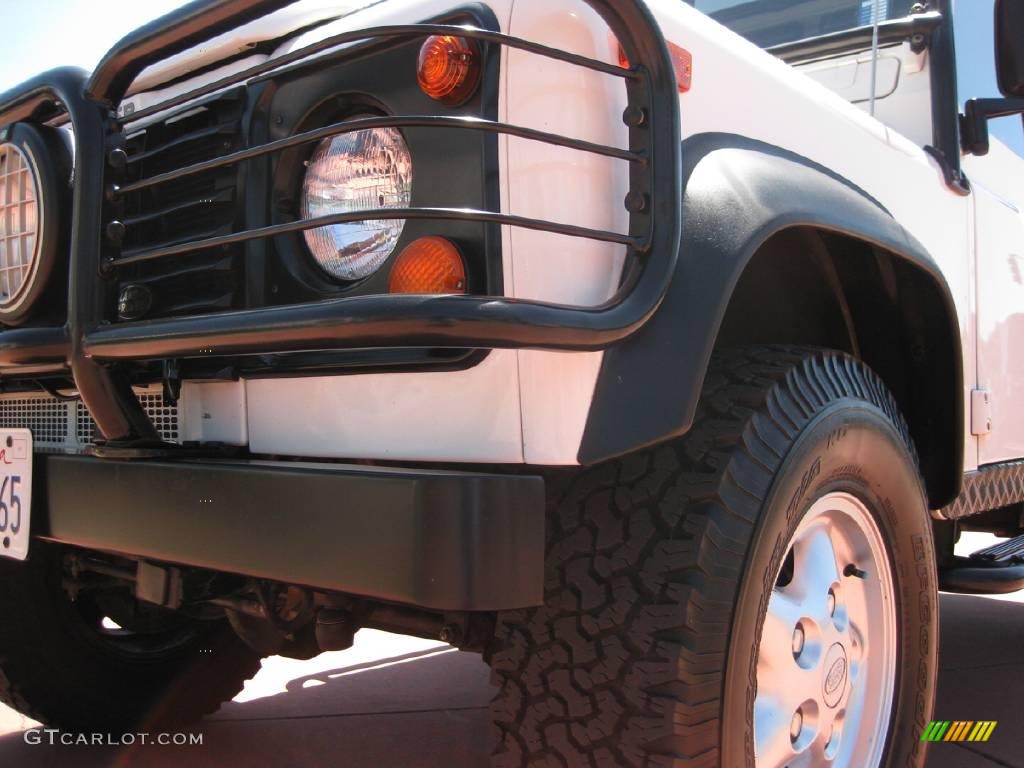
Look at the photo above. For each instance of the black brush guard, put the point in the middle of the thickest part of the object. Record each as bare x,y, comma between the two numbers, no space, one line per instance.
87,345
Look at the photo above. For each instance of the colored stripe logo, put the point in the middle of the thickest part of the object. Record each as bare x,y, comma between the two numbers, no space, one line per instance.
959,730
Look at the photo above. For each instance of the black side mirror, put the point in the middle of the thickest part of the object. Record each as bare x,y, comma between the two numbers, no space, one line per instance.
1009,44
1010,47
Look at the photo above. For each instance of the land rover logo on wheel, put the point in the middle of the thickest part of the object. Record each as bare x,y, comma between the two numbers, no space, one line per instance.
835,675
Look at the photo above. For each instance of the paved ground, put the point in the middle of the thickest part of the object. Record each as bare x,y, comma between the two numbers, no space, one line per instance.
394,702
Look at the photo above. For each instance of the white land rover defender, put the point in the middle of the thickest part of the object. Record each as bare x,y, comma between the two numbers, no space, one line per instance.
658,351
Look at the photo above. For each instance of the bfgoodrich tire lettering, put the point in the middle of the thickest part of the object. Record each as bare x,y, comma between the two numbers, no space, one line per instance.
660,566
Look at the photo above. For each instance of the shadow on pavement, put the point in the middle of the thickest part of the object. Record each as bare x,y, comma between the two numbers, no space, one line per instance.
981,671
428,709
422,710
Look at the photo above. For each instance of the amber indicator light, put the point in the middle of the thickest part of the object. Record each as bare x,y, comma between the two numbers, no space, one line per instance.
448,69
428,265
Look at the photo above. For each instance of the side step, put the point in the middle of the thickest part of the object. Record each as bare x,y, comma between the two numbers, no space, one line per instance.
995,570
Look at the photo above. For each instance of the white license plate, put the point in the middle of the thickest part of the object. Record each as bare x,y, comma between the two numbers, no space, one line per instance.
15,492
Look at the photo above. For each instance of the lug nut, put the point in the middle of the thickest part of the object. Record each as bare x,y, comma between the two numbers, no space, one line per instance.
796,725
798,641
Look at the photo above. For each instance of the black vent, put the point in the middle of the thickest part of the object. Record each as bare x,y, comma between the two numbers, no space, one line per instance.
191,208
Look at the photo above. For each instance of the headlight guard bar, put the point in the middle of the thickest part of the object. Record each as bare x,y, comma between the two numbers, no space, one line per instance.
88,347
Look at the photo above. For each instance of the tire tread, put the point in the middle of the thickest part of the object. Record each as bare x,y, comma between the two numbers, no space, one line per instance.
656,542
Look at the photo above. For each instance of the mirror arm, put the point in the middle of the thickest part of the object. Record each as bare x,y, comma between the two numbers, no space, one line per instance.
974,122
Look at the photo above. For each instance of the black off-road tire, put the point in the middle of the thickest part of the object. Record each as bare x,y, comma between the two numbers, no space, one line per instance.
658,565
55,669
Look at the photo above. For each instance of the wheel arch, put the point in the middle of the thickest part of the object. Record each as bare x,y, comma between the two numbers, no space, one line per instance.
776,248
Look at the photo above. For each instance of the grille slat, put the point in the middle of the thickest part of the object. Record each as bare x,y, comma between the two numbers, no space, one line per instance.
223,196
226,129
187,209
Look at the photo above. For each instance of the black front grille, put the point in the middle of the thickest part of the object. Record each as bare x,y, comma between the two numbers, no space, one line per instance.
183,210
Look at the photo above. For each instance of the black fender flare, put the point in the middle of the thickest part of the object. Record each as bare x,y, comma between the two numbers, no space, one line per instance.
737,193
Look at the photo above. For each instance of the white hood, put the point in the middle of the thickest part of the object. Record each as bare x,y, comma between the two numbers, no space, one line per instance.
270,27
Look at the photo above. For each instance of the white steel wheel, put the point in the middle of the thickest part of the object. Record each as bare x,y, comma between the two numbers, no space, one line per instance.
826,664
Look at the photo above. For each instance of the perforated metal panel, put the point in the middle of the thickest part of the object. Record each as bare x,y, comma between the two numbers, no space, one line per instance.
65,425
164,415
85,426
46,416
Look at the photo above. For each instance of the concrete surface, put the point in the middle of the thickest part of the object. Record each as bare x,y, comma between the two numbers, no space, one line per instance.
395,702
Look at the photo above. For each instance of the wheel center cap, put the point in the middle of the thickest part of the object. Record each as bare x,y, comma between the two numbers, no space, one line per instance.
836,669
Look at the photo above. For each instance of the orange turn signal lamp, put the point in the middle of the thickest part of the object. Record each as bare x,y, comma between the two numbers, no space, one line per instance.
428,265
449,68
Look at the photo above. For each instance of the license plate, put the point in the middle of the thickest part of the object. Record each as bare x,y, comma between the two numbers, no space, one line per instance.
15,492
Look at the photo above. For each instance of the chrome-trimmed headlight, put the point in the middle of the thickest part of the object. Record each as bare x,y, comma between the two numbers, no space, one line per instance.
356,171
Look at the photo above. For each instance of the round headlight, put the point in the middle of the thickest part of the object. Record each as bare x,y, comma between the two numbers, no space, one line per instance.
356,171
19,226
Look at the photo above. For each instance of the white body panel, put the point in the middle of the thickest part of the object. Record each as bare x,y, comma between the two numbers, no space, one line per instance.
401,417
998,180
213,412
470,415
273,26
902,87
140,101
515,406
563,185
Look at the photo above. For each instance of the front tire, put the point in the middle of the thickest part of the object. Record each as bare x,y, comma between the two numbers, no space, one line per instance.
657,645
